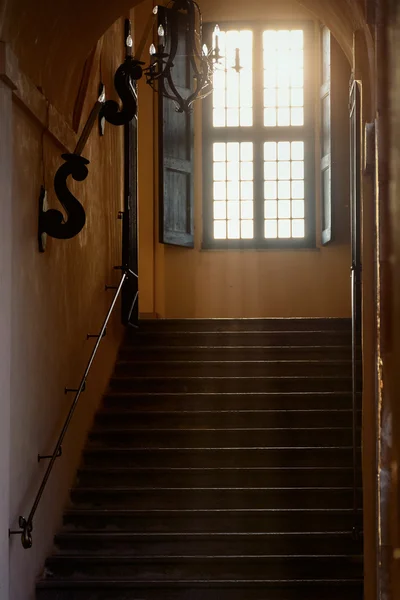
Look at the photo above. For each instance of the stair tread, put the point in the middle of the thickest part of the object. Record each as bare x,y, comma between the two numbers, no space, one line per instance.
172,511
235,362
124,412
199,535
118,469
67,582
202,557
122,489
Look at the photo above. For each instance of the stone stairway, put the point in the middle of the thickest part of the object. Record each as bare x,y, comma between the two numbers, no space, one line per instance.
219,466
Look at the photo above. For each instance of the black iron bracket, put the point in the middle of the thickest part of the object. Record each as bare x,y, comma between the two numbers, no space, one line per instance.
95,335
25,532
69,390
44,456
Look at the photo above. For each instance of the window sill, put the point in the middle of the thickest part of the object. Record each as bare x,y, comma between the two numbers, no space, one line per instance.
235,245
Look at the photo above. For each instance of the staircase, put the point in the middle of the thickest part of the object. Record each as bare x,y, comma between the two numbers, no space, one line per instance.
219,466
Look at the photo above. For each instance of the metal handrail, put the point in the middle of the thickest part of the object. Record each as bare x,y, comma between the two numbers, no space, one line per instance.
26,525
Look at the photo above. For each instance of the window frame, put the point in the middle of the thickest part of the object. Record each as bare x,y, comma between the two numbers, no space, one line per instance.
258,133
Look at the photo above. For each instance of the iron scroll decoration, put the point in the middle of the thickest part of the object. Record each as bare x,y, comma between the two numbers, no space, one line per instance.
52,222
124,78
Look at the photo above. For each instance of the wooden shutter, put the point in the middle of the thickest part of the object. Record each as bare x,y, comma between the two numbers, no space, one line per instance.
176,141
326,139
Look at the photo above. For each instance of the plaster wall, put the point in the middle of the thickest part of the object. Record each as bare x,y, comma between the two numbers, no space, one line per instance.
5,327
56,299
197,283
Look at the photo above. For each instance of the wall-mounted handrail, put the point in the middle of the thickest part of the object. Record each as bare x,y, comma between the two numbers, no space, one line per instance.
26,524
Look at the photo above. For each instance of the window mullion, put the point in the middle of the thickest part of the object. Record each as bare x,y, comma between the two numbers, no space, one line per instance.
258,131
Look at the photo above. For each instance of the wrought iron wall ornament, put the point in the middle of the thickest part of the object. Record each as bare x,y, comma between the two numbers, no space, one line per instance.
52,222
124,79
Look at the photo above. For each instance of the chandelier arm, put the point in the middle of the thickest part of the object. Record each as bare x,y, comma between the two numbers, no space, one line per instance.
174,28
176,97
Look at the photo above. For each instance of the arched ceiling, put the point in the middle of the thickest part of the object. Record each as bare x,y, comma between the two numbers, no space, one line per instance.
52,38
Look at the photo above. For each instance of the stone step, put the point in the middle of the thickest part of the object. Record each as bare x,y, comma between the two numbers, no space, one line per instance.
308,456
213,477
118,543
232,368
228,401
134,497
290,338
225,419
115,589
207,520
267,324
219,438
212,568
210,353
232,384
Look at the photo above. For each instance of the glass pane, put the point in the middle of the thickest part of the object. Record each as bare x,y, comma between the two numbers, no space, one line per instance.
297,117
283,189
296,40
220,230
298,228
219,210
246,117
219,152
233,151
270,151
284,150
219,171
246,190
246,151
233,171
283,97
247,230
246,171
233,190
234,230
298,169
270,191
297,189
233,210
246,209
219,191
298,209
297,150
283,117
271,229
219,117
270,97
270,117
270,170
297,97
232,117
270,209
284,209
283,170
284,228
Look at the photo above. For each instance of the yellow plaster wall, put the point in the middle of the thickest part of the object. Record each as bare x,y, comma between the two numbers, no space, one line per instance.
57,298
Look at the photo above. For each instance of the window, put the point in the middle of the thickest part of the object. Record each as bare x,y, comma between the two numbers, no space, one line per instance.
258,138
